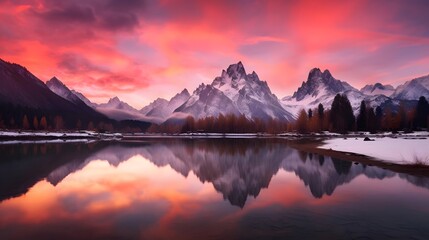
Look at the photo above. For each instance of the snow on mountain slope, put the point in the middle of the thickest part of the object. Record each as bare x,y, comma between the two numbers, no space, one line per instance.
378,89
116,103
235,92
208,101
412,90
114,108
319,84
119,110
322,88
84,99
161,109
158,103
59,88
319,88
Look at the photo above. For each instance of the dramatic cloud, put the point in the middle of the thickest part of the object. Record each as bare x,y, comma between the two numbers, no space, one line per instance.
144,49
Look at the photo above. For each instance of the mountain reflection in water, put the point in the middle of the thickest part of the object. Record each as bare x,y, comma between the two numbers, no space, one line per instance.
173,189
237,168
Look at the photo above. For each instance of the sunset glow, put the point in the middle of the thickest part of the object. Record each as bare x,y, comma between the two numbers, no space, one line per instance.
140,50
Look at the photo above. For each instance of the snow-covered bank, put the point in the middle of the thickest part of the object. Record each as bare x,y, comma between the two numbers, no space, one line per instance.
56,135
11,142
404,150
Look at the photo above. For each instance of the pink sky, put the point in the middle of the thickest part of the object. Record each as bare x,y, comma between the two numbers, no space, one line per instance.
139,50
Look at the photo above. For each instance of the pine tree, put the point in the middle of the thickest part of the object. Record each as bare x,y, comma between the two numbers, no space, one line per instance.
378,118
341,115
361,121
320,115
404,124
422,113
371,120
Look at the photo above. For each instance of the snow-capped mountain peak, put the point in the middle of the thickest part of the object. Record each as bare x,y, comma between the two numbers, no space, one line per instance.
59,88
318,84
235,92
119,110
378,89
116,103
320,87
183,92
412,90
314,73
160,109
236,71
55,81
157,103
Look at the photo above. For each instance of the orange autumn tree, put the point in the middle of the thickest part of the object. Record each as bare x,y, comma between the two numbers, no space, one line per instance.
25,123
35,123
43,123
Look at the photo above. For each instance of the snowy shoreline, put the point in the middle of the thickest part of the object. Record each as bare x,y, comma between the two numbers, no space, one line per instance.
402,150
51,136
395,148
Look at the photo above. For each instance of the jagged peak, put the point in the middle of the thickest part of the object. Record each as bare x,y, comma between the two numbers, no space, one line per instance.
114,100
254,74
160,100
200,87
184,92
54,78
327,74
315,72
378,85
371,88
56,81
235,71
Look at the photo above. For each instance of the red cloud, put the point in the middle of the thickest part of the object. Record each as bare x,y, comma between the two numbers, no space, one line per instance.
152,49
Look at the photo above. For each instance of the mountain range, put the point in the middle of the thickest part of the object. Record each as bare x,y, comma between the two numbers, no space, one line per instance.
233,92
321,87
20,90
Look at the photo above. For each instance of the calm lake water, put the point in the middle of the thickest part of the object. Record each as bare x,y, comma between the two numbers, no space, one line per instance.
202,189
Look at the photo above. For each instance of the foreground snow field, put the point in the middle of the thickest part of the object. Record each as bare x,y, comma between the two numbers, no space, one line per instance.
404,150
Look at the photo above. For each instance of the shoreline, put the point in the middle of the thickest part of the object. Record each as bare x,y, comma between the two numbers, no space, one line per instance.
312,146
308,143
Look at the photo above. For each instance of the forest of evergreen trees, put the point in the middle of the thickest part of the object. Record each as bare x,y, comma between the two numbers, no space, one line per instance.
340,118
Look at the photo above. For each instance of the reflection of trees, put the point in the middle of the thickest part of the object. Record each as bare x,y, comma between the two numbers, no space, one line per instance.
23,165
237,168
342,167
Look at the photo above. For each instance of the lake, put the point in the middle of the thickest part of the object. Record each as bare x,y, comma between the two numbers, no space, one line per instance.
202,189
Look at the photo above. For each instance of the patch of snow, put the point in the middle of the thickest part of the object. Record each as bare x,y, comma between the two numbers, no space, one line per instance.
82,134
11,142
393,150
